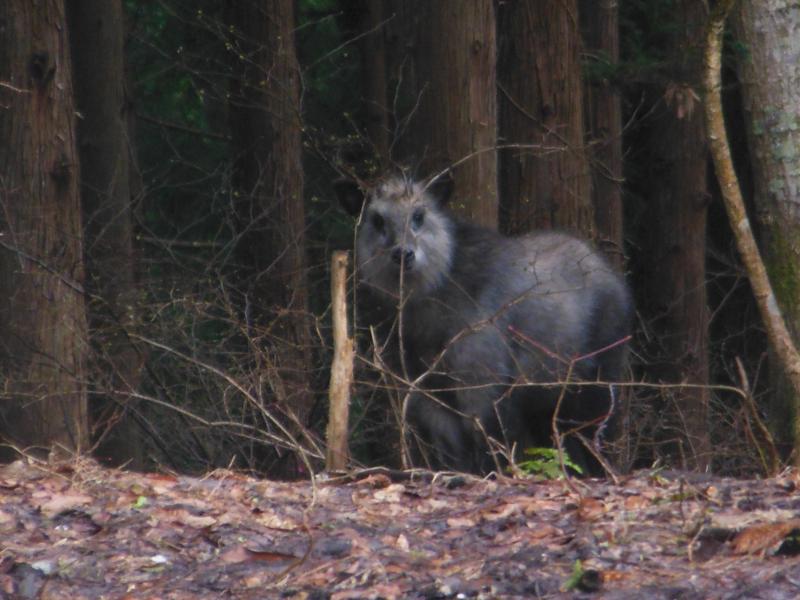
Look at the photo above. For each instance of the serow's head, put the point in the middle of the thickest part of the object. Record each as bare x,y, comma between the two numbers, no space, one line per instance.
405,241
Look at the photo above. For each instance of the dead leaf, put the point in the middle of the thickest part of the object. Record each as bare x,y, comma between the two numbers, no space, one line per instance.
539,531
392,493
591,509
237,554
63,503
388,591
758,539
540,506
461,522
501,512
162,478
8,522
402,543
240,554
274,520
610,576
375,481
636,502
269,556
184,517
433,504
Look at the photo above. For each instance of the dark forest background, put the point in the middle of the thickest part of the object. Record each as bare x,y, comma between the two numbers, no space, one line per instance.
166,172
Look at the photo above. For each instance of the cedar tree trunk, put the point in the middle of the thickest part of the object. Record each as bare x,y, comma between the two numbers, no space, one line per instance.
443,61
268,197
546,183
97,37
43,331
600,19
676,200
373,52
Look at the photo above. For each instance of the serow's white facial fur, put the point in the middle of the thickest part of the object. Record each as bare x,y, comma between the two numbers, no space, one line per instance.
405,241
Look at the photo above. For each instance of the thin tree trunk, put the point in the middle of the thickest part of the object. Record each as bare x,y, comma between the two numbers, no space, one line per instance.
444,60
676,200
604,112
541,105
43,331
97,36
341,382
603,117
268,183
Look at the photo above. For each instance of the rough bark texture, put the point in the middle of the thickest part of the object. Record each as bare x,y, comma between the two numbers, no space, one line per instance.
443,63
373,52
676,201
43,327
770,78
541,105
600,19
97,36
268,197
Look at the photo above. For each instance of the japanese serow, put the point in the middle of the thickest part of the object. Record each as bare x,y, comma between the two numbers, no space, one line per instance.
495,333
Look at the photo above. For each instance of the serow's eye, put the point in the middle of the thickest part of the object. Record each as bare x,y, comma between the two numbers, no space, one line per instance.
418,218
377,221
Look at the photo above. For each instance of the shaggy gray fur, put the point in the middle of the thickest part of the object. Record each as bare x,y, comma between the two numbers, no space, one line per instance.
487,319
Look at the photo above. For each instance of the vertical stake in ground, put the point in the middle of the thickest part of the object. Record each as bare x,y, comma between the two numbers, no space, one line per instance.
341,368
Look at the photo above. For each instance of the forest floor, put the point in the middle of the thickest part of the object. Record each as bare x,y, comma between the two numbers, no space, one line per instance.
79,531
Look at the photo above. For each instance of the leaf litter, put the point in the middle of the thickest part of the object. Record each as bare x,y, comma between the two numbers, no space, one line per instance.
81,531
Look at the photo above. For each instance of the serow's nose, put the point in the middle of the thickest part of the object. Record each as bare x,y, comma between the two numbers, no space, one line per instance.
403,256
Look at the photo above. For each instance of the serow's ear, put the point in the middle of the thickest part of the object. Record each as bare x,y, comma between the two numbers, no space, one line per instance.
441,188
350,196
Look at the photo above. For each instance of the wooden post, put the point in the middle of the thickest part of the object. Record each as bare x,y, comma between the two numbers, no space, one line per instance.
341,368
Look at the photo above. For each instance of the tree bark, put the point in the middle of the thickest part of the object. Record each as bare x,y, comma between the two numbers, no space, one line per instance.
770,77
373,52
43,330
541,105
97,36
600,19
675,204
444,62
268,196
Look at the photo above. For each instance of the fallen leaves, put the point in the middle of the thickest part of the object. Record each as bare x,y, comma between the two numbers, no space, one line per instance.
87,532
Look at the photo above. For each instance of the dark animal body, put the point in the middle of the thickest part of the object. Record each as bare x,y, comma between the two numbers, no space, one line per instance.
491,328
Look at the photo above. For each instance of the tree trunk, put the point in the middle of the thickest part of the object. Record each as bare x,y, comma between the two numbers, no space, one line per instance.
600,19
541,105
373,52
444,62
268,196
97,36
43,331
676,199
770,78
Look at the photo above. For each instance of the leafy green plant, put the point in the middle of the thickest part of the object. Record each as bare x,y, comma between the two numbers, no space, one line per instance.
573,581
544,464
582,579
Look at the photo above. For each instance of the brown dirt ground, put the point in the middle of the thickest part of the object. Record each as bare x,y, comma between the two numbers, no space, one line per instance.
76,530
